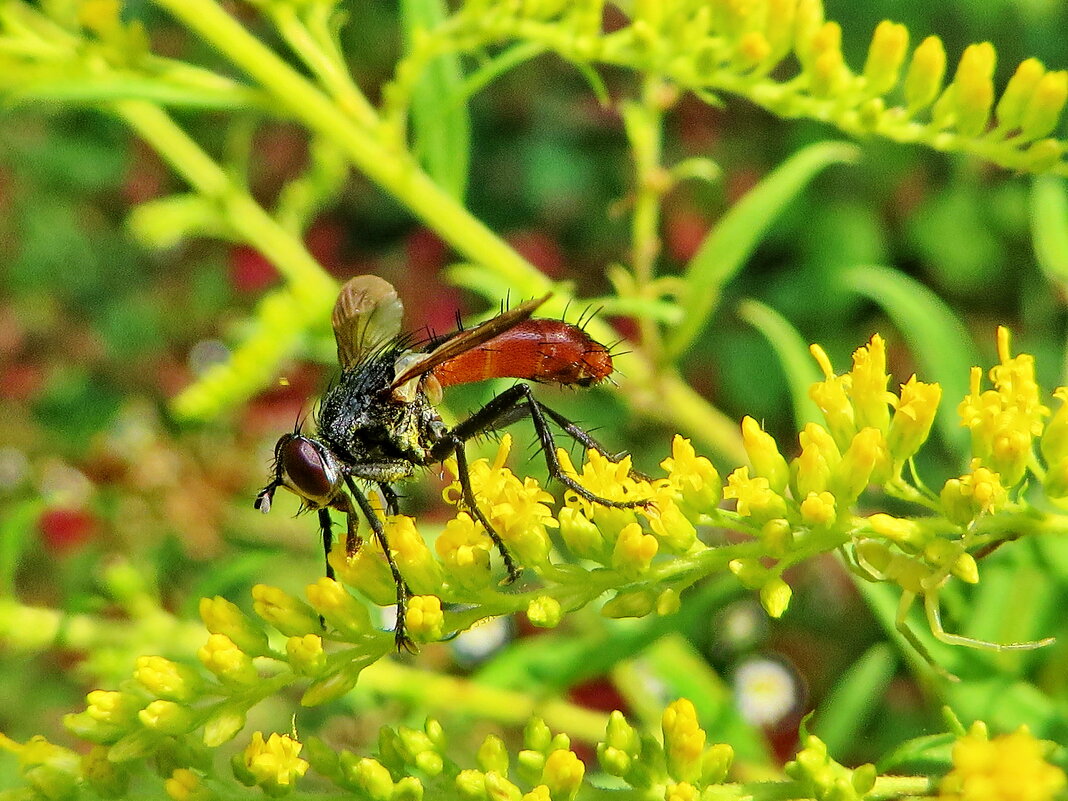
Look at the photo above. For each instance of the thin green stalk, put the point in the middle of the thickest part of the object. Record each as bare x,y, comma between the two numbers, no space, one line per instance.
246,217
431,691
330,72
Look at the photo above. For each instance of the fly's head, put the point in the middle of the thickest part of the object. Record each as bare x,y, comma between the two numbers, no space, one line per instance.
306,468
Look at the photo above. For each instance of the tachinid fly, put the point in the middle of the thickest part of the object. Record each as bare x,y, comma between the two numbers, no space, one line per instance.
379,422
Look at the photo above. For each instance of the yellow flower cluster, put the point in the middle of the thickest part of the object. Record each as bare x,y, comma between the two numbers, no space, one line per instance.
1010,767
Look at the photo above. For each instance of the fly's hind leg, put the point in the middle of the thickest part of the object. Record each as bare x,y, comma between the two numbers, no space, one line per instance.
519,401
403,591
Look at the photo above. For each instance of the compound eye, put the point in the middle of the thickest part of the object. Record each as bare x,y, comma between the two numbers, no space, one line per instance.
305,469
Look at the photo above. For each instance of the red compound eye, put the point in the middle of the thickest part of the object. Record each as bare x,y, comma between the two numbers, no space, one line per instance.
305,468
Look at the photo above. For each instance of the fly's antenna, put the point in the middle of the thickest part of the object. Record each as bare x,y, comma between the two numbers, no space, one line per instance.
298,423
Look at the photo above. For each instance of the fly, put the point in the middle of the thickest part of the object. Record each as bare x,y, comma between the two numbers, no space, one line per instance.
379,422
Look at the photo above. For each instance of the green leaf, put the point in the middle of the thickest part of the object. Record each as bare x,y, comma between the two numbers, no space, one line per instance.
844,712
727,246
1049,227
439,113
939,340
792,350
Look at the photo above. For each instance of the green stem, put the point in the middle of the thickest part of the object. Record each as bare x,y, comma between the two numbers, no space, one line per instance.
330,72
645,132
435,691
246,217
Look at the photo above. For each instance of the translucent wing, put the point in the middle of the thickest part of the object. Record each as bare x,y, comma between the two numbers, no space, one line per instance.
466,340
368,312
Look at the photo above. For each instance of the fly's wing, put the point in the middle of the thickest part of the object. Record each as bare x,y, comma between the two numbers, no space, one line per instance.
368,312
465,340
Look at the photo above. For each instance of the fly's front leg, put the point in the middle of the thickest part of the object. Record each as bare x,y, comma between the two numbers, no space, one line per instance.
403,591
326,526
586,440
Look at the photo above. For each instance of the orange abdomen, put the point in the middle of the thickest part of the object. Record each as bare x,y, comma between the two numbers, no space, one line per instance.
550,351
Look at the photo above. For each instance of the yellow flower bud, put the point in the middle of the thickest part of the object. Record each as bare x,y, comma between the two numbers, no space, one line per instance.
974,88
779,29
764,454
669,524
684,740
167,717
808,22
637,603
831,396
867,388
829,72
899,530
274,763
340,609
424,619
227,661
493,755
563,774
753,49
413,557
166,679
634,550
811,470
1018,94
912,419
544,612
683,791
220,616
1043,111
290,616
1054,443
886,54
693,476
755,497
775,597
817,510
716,763
369,775
306,654
854,472
750,572
925,74
465,547
582,537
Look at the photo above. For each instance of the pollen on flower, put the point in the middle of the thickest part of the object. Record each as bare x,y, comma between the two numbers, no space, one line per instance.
274,763
1009,767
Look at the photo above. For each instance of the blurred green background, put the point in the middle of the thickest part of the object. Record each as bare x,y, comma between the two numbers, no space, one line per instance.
96,334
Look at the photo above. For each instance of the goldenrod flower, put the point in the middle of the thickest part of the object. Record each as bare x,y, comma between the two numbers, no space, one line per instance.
775,596
812,469
289,615
220,616
562,774
338,607
1018,93
755,497
583,537
831,396
274,764
413,557
424,619
684,740
864,462
683,791
979,492
306,654
924,79
1004,420
693,477
227,661
764,454
1010,767
167,717
517,509
817,509
634,551
867,390
973,88
1043,112
166,679
366,571
464,547
886,54
669,523
913,417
